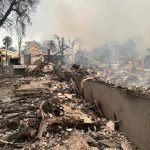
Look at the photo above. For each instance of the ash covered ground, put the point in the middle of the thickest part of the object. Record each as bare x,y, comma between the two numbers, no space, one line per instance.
48,113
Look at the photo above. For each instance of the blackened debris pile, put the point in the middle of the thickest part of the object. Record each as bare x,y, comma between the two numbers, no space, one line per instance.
48,113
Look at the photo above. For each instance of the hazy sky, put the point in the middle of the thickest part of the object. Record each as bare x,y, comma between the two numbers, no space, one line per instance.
95,21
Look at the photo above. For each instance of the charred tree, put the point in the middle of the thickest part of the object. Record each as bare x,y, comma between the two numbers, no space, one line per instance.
16,13
64,46
19,46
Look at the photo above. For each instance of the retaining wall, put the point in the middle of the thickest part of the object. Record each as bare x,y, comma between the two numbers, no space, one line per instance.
133,111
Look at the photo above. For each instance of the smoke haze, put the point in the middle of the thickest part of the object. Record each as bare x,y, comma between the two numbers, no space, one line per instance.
94,21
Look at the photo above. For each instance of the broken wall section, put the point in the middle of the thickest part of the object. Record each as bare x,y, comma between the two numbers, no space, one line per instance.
129,107
131,110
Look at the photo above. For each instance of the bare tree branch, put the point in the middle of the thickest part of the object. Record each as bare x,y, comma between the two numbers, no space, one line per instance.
7,12
16,13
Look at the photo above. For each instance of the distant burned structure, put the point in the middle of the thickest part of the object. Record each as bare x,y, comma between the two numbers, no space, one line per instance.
33,52
147,62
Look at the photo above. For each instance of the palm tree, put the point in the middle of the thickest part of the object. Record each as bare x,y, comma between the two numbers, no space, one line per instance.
51,47
7,42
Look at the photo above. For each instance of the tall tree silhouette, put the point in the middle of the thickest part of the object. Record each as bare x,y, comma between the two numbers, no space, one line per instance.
7,42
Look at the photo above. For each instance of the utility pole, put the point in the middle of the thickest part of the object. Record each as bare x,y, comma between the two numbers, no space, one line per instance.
107,52
62,50
19,47
6,54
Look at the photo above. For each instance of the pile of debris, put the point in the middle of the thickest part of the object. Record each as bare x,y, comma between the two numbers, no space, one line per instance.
47,113
40,69
132,83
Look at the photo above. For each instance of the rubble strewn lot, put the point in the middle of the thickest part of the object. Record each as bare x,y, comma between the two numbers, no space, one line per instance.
47,113
137,84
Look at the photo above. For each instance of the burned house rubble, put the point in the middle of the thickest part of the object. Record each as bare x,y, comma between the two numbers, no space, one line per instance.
48,112
74,75
51,104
